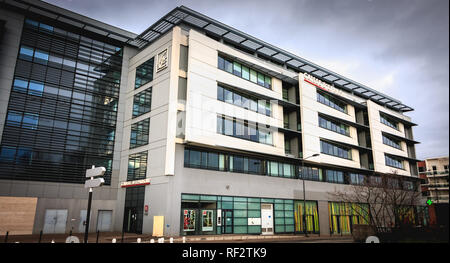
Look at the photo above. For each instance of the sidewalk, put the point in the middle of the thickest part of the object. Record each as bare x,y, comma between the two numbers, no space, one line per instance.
107,237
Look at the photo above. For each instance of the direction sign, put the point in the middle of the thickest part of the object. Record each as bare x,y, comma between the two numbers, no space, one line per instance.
97,171
94,183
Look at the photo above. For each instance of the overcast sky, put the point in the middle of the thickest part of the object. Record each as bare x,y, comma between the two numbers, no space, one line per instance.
398,47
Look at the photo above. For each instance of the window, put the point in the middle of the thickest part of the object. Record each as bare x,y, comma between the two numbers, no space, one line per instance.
334,126
357,179
388,121
36,88
391,142
331,102
142,102
139,133
144,73
204,160
407,185
26,53
244,101
20,85
310,173
244,130
311,218
41,56
344,215
30,121
333,176
335,150
244,72
137,166
393,162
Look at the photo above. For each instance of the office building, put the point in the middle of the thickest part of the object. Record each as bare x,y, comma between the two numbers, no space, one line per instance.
203,129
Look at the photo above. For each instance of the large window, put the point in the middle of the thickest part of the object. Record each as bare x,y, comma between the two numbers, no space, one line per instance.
244,130
137,166
142,102
144,73
245,101
392,142
139,133
333,176
244,72
343,216
393,161
331,102
335,150
311,217
310,173
388,121
334,126
357,179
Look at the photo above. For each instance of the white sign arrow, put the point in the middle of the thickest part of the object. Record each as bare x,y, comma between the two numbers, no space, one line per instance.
97,171
94,183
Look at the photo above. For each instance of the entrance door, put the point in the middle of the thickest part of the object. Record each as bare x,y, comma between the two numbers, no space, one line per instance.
55,221
227,221
131,219
267,219
104,220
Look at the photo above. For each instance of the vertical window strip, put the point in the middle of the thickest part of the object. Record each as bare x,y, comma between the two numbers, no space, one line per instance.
334,126
331,102
244,101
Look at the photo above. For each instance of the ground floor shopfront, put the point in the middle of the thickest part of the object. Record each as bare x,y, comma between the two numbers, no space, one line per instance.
211,214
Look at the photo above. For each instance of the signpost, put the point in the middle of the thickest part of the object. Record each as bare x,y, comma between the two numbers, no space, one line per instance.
93,172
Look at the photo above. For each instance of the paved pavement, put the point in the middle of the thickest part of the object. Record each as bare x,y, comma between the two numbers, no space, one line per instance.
132,238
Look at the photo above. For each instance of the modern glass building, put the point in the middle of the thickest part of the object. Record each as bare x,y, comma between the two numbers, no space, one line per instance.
197,123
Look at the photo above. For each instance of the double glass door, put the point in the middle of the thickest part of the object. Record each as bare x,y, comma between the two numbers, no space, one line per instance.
198,220
227,221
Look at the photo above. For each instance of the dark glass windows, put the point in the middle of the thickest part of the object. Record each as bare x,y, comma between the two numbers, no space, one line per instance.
137,166
334,126
393,161
391,142
244,72
333,176
139,133
331,102
144,73
244,101
388,121
142,102
244,130
335,150
357,179
24,120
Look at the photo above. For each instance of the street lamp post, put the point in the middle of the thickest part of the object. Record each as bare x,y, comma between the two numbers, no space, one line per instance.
304,194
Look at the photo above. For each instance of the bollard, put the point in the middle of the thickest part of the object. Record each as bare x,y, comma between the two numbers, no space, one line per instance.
184,239
6,236
40,237
53,241
113,240
162,240
98,233
171,240
139,240
152,240
121,241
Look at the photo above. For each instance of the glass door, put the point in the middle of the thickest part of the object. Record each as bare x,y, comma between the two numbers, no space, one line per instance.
227,221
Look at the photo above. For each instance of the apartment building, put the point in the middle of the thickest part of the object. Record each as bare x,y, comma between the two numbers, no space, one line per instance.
434,173
203,129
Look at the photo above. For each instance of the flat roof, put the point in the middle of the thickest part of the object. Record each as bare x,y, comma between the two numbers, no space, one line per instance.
188,16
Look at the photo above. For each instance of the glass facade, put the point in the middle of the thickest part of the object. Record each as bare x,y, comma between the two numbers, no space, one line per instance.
232,214
144,73
63,106
134,209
